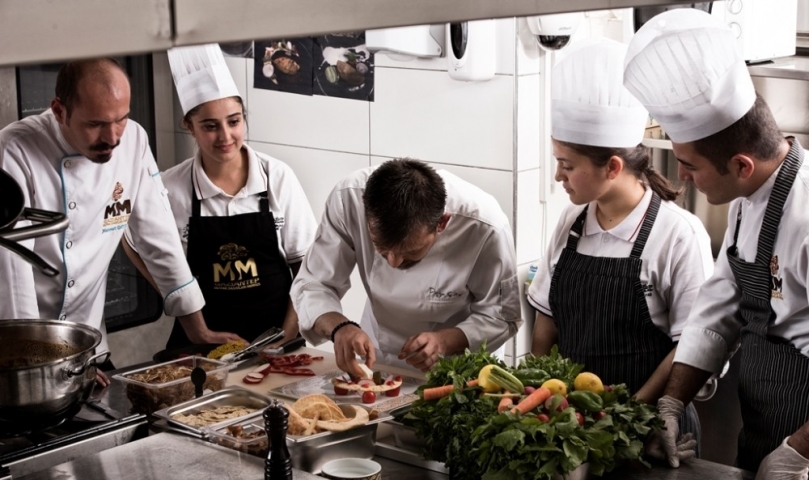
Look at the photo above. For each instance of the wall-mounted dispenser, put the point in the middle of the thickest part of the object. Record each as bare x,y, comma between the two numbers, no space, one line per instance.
471,50
553,31
407,43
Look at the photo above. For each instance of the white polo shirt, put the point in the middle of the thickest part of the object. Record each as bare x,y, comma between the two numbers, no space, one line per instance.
676,259
295,224
715,322
100,201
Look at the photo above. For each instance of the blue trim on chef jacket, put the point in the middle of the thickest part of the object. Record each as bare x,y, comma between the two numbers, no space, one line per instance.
64,232
178,288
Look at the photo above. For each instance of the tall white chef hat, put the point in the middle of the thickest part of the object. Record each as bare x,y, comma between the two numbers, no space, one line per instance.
200,75
685,67
589,104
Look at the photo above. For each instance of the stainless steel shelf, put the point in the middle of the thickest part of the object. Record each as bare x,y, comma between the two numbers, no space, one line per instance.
36,31
796,68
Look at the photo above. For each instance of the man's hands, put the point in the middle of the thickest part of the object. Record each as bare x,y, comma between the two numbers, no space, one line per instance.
667,444
197,331
101,379
784,463
422,351
349,342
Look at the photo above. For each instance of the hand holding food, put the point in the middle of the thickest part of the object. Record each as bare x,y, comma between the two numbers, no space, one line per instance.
423,350
667,443
349,342
369,388
784,463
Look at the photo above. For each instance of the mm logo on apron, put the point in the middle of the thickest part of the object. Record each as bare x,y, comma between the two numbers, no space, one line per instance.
237,269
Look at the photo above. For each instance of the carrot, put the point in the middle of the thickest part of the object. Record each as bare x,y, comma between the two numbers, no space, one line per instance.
437,393
532,401
505,404
472,383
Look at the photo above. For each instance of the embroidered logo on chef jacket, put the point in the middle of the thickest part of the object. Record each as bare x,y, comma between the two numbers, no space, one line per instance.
237,271
279,223
648,288
776,282
117,212
438,296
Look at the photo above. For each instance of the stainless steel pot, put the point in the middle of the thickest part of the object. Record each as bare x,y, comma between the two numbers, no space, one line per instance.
12,210
42,394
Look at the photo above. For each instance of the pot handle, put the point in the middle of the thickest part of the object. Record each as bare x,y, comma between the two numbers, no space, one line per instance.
29,257
90,362
47,223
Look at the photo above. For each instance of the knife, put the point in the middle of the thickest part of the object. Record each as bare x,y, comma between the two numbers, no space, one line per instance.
290,346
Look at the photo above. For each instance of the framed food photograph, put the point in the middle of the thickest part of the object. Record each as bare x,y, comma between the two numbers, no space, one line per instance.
343,66
283,65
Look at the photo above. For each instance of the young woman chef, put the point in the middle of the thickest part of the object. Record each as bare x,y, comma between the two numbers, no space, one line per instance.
242,215
624,263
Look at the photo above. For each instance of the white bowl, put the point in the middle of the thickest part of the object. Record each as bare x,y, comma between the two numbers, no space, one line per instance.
352,469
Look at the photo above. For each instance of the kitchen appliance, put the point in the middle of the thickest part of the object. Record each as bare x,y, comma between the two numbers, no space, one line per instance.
471,53
35,395
765,29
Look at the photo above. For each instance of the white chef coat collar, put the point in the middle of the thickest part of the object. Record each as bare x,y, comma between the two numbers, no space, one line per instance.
763,192
256,178
67,150
628,228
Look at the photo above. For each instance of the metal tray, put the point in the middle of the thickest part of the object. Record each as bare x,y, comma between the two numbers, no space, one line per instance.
309,453
230,396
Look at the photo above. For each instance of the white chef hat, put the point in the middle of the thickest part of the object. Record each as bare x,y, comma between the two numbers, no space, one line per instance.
589,104
686,68
200,75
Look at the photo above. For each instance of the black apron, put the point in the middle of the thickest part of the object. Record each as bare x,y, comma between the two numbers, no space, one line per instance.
600,310
240,270
773,386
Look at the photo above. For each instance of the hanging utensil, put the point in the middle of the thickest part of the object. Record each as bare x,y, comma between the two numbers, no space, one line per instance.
269,336
12,210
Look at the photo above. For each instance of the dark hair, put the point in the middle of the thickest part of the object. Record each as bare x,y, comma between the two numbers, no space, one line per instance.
72,73
401,196
636,160
193,111
756,134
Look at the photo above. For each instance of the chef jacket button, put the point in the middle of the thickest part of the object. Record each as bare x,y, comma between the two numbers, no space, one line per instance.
71,205
67,163
63,317
605,239
68,244
70,284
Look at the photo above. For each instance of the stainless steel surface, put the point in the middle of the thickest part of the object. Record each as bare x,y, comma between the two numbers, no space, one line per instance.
33,393
230,396
387,448
796,68
789,101
694,469
163,456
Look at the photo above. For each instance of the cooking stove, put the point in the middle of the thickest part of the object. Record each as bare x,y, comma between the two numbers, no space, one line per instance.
85,433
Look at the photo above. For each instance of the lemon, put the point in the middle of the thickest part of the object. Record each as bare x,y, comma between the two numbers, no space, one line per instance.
588,382
484,382
556,386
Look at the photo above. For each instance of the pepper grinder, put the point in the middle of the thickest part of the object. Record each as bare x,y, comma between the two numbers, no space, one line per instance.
278,465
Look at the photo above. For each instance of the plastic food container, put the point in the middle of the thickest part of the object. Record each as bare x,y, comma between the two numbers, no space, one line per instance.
308,453
170,382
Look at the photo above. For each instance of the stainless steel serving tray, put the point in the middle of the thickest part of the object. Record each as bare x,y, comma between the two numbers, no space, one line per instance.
230,396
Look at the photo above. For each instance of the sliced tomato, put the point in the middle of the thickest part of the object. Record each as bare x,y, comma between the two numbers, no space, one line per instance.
253,378
340,391
368,397
393,393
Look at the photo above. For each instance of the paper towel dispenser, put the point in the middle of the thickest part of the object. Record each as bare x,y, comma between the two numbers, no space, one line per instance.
407,43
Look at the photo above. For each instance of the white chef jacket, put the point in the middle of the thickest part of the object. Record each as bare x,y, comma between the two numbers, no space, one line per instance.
467,280
100,201
715,323
294,221
676,259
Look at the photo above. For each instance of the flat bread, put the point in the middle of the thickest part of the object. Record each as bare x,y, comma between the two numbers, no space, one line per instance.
355,387
323,411
317,413
360,418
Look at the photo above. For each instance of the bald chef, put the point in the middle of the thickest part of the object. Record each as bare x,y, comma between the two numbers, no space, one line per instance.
686,68
85,157
436,258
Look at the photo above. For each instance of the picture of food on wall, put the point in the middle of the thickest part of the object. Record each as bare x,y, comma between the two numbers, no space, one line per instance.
284,65
237,49
343,66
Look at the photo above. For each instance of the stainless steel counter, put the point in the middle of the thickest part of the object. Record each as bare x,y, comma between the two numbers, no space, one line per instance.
796,68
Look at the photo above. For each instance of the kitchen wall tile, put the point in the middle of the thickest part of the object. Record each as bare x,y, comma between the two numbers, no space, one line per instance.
497,183
530,242
327,123
529,109
429,116
317,170
528,51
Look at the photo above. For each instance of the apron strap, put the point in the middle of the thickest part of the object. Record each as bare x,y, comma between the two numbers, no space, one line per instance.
648,223
575,231
775,205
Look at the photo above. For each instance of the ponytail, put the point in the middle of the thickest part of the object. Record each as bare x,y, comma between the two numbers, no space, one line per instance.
636,160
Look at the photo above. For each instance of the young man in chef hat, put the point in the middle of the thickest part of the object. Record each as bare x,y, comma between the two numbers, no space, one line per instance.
436,258
233,206
685,67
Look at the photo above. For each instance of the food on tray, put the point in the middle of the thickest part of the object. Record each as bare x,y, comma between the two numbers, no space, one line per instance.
318,413
252,440
150,399
211,416
283,364
222,350
367,388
